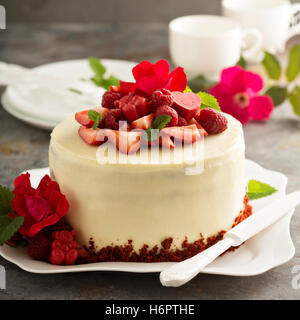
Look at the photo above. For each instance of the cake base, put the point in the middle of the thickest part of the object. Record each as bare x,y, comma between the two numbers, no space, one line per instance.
126,252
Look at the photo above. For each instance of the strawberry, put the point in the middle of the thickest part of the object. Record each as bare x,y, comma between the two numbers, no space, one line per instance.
144,122
166,110
198,125
83,118
91,136
187,134
166,142
126,142
212,121
186,104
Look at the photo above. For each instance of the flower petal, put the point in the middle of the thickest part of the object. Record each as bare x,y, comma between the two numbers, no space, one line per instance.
142,70
22,184
261,107
162,68
178,80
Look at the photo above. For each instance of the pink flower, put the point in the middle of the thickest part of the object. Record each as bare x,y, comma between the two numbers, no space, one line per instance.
150,77
238,94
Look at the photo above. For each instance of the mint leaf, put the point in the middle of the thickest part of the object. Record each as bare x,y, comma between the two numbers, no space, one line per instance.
96,117
272,66
96,65
187,89
161,121
9,227
293,67
242,63
278,94
294,98
5,200
200,83
257,190
150,134
208,101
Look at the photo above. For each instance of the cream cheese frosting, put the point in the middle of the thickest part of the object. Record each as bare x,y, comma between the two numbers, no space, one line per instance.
149,202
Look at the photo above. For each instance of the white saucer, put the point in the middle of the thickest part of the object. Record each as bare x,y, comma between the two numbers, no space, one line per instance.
45,108
266,250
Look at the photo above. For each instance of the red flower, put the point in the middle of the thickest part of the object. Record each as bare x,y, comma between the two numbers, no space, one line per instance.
150,77
238,94
40,207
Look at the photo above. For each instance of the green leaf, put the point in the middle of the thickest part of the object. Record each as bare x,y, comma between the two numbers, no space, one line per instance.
272,66
187,89
5,200
200,83
293,67
97,67
242,63
150,134
257,190
9,228
294,98
96,117
278,94
208,101
161,121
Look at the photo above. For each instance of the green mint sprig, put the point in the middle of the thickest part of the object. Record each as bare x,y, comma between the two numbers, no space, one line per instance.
96,117
208,101
272,66
8,227
257,190
99,78
158,124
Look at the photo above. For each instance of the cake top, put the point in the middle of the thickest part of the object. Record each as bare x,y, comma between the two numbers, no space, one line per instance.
156,110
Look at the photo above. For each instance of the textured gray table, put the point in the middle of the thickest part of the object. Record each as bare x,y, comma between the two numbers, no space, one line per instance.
275,145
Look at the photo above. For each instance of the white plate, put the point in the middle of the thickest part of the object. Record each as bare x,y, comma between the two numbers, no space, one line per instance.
266,250
45,108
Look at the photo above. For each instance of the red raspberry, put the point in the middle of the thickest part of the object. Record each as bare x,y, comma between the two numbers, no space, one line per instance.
162,97
112,119
109,98
134,106
212,121
181,122
63,236
39,247
57,256
71,257
166,110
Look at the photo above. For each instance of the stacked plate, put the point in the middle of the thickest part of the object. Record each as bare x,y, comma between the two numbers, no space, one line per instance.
45,107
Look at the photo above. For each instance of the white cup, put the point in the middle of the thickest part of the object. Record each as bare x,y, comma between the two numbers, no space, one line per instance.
204,44
277,20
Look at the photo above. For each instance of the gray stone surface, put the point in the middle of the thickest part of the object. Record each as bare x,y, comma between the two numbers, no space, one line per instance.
274,144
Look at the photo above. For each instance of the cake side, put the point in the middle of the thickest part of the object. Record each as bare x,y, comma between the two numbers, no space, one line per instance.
147,204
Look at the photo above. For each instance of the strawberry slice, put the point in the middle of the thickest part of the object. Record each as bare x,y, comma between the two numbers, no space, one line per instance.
125,141
198,125
83,118
91,136
144,122
186,104
187,134
166,142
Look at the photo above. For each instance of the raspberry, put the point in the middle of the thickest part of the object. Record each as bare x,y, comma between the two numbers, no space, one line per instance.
57,256
181,122
166,110
109,98
64,248
71,256
134,106
58,226
39,247
63,236
112,119
212,121
162,97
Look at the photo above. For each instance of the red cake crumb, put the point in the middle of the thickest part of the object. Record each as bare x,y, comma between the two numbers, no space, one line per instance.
126,252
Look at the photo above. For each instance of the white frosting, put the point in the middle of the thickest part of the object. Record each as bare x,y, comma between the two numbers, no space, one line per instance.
148,203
